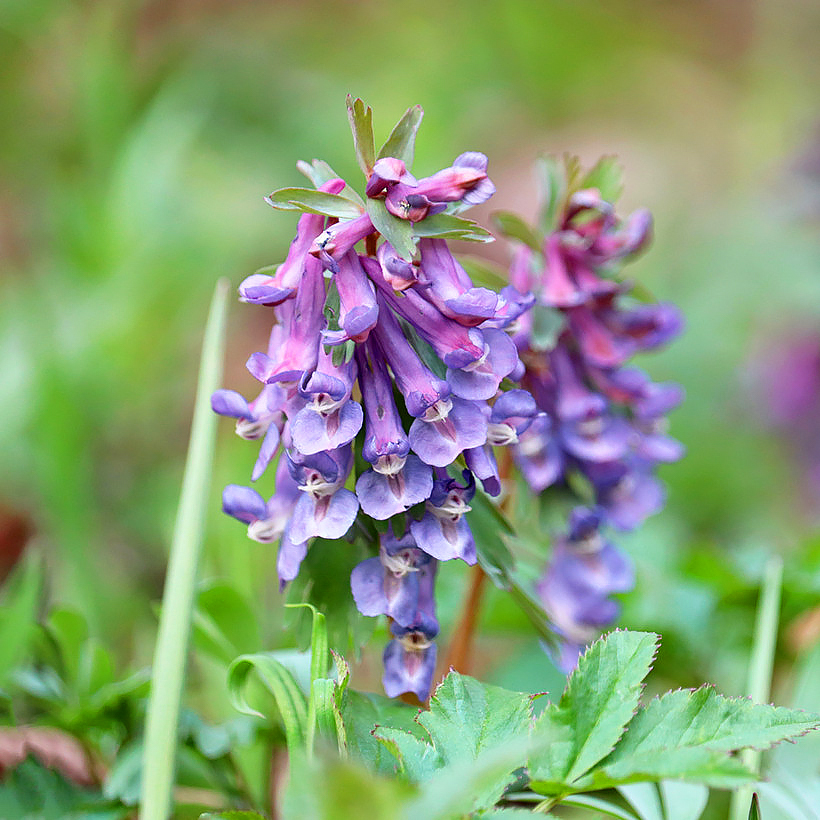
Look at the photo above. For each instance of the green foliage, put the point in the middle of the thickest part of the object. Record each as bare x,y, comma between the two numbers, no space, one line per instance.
449,226
18,615
398,232
361,124
514,227
607,177
33,792
401,143
600,698
314,202
547,324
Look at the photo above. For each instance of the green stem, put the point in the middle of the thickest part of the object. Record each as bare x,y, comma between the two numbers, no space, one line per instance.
760,668
159,755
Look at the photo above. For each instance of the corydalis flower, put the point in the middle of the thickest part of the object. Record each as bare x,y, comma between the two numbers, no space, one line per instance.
583,571
359,332
598,421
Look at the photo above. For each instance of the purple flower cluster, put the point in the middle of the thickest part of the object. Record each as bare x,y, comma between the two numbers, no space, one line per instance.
398,359
602,424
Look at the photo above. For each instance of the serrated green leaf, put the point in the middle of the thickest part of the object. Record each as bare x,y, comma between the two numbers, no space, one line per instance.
601,697
398,232
452,227
314,202
470,784
607,176
688,734
467,716
513,227
280,683
402,140
362,712
547,324
361,124
418,760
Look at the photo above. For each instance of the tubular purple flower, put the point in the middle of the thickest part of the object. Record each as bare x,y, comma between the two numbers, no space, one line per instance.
340,238
420,388
359,310
261,289
512,413
455,344
465,180
388,170
397,481
325,509
398,583
409,663
443,532
329,418
445,284
480,379
446,429
397,272
482,463
303,321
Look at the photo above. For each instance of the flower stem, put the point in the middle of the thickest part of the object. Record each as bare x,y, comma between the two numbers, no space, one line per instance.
459,652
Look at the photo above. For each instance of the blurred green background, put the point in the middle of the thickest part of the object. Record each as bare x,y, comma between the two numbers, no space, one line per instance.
138,139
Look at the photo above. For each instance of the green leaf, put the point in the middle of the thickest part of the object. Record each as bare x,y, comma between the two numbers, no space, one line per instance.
452,227
601,697
362,713
547,324
754,809
361,124
470,784
467,721
402,140
688,734
398,232
278,680
224,623
552,185
513,227
232,815
319,172
607,176
18,617
171,651
314,202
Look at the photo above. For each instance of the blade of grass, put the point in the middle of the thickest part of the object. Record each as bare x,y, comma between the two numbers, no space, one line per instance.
178,598
760,668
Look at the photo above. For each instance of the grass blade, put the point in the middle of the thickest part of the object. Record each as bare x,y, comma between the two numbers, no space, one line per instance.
178,598
760,668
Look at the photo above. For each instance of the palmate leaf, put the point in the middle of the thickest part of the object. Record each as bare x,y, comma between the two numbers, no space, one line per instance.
688,734
600,699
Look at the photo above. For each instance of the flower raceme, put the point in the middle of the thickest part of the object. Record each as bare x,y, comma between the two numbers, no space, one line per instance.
601,423
389,352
